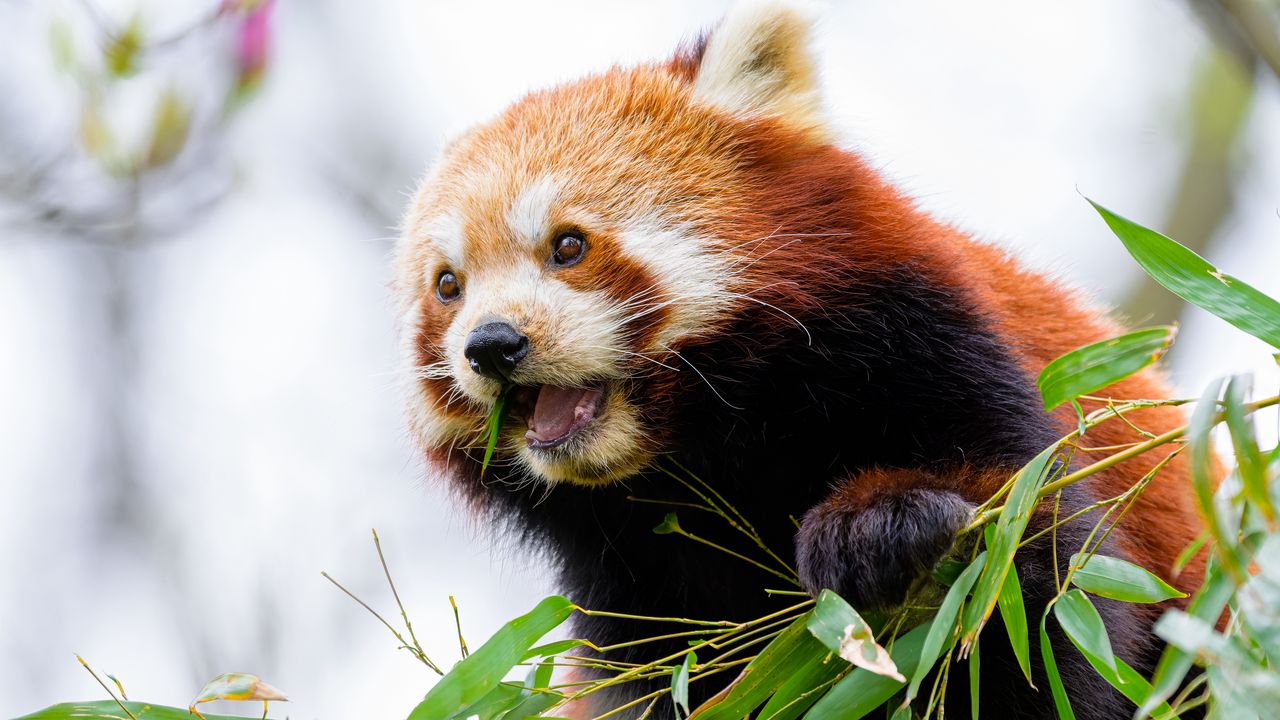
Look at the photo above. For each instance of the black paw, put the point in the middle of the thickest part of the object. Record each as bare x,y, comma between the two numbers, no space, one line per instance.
872,555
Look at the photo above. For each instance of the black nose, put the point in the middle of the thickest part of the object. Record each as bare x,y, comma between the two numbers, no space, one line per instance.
493,349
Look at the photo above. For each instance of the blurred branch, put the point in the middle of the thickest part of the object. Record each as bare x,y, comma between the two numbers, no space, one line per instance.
1218,102
1256,27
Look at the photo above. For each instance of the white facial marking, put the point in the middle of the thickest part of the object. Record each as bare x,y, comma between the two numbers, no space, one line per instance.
444,232
693,275
530,214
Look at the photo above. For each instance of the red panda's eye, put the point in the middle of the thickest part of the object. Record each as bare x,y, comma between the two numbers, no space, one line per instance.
447,287
569,248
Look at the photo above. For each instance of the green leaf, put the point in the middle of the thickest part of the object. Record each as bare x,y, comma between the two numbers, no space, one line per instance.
1111,577
680,682
481,671
670,524
838,626
975,676
122,48
770,670
109,710
1204,477
1100,364
1083,625
493,428
944,621
1192,278
1008,533
802,689
1014,614
1059,692
493,704
1249,461
551,648
171,125
1130,683
862,691
1190,551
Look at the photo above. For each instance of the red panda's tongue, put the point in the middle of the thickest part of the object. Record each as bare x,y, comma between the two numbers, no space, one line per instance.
559,412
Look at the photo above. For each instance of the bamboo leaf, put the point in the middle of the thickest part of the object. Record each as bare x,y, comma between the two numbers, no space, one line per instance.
1083,626
680,682
1004,543
802,689
1193,279
1111,577
1206,604
493,428
838,626
862,691
482,671
1100,364
1249,461
975,676
943,627
109,710
670,524
1059,692
1014,614
771,669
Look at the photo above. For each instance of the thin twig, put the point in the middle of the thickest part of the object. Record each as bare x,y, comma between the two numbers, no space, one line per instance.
104,687
382,559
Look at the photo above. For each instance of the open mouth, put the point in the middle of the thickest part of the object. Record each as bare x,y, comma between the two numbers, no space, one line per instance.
558,414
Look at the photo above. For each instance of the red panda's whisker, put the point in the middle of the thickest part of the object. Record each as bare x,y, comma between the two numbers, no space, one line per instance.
704,377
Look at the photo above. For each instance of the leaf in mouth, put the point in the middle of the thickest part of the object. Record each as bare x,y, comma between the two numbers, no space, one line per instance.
493,425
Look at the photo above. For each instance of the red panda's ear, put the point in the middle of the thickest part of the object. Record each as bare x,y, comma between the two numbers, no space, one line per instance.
758,61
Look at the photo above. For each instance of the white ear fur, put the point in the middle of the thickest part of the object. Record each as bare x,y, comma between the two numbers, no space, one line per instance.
758,61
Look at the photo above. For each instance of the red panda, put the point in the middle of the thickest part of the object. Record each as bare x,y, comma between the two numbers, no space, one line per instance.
675,262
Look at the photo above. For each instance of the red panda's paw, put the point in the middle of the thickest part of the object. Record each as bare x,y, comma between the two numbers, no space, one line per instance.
871,554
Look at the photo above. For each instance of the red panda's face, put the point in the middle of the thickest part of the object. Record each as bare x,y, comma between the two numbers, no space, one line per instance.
564,253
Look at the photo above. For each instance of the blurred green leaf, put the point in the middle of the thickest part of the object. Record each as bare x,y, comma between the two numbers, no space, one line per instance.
171,125
1206,604
1100,364
1249,461
1008,533
109,710
862,691
680,682
96,135
1197,636
1111,577
1014,614
122,48
62,45
1083,625
1204,478
838,626
1192,278
771,669
944,621
1059,692
482,671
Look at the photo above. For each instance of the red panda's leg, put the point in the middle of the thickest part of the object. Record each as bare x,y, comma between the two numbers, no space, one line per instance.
881,529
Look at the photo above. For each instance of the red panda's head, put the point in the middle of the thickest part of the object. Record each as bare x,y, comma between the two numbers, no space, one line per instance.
569,249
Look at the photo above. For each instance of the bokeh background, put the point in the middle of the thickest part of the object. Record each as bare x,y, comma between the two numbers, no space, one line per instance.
198,198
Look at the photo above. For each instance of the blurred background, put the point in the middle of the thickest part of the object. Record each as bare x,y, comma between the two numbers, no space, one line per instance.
198,198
